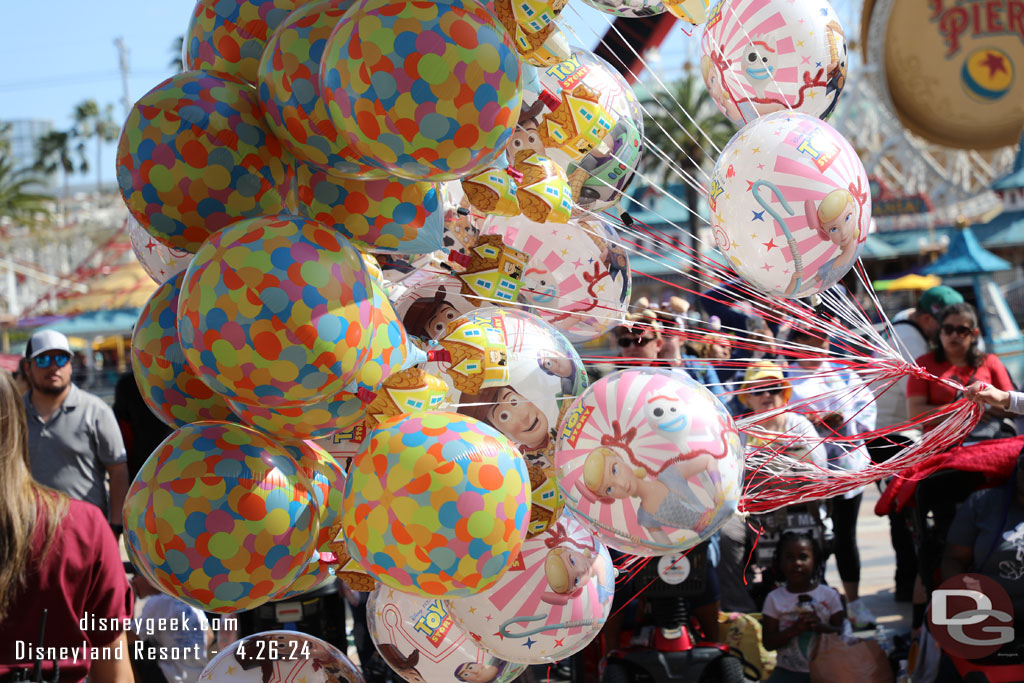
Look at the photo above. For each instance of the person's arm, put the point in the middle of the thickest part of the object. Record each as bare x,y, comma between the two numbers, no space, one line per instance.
984,393
834,625
956,560
775,638
919,405
118,490
1000,380
113,669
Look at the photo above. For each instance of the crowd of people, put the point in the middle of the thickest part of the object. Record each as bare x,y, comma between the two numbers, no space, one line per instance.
67,460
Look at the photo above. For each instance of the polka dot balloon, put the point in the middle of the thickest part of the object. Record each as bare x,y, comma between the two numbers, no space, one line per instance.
168,384
429,90
436,504
328,479
229,36
195,155
387,215
223,516
289,91
276,311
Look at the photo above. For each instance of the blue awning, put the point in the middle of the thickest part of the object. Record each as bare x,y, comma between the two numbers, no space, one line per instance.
97,323
966,256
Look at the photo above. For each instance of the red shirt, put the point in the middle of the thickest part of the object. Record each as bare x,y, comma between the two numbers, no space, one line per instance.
991,371
83,577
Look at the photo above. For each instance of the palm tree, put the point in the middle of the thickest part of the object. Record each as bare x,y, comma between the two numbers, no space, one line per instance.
687,143
92,122
18,200
56,150
177,49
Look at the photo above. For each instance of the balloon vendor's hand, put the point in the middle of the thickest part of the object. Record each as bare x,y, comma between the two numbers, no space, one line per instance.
984,393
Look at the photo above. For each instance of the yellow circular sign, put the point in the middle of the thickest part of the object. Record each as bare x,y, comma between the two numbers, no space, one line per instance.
950,67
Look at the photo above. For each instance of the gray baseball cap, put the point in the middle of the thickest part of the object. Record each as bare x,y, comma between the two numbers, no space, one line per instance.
47,340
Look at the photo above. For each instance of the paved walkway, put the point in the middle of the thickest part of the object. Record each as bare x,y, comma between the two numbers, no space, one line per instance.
878,566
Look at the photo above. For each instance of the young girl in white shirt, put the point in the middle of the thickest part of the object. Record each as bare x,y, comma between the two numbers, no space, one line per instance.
796,612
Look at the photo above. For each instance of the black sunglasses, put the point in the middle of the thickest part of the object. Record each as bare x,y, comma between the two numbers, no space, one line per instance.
959,330
773,390
626,342
60,360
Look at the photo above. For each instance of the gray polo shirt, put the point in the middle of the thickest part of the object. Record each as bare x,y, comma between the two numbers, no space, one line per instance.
72,450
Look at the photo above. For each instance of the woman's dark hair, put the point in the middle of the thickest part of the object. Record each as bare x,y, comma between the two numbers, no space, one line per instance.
975,356
816,552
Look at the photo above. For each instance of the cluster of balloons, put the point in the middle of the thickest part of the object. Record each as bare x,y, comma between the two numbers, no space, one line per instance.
374,225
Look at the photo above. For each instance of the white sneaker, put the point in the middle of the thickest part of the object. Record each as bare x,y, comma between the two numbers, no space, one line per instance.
860,615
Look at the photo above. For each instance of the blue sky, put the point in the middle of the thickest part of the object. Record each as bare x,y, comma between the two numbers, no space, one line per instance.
59,56
62,52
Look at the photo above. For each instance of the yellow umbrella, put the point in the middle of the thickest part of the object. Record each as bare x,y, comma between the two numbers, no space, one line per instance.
912,281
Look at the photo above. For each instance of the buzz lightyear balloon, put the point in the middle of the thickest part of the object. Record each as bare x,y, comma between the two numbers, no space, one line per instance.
650,461
790,204
764,56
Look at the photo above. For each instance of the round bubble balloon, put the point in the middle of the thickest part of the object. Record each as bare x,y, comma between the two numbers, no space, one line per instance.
229,36
628,8
223,516
650,461
158,260
168,384
550,605
514,372
437,504
385,215
429,90
577,278
598,178
280,656
420,642
195,155
276,311
761,56
289,91
795,222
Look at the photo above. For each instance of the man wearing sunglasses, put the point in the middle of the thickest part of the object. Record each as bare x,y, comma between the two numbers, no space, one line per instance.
640,339
73,438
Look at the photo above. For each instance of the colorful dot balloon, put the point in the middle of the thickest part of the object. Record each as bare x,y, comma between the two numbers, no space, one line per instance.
650,461
762,56
436,504
390,348
223,516
168,384
794,223
328,480
306,420
550,605
316,574
401,624
429,90
229,36
280,656
289,91
385,215
195,155
276,311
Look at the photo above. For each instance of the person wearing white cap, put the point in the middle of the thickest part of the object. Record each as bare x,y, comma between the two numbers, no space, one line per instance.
73,437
